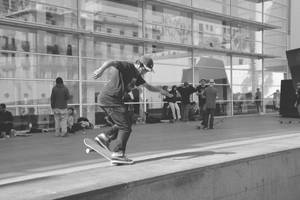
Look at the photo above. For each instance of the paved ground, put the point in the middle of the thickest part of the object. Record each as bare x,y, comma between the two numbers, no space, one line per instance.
43,152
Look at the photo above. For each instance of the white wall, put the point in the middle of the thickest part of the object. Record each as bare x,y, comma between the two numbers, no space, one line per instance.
295,24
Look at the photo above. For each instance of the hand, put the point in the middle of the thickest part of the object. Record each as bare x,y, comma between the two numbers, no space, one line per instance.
97,73
169,95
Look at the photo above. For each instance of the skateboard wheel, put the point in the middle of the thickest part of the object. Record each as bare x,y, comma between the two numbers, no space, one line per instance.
87,150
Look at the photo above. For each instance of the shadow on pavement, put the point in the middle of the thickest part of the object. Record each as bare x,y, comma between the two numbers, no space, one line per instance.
184,156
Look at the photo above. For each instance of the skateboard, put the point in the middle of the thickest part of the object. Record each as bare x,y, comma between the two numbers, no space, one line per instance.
92,146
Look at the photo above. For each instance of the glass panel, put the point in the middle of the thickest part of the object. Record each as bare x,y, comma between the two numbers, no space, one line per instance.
50,67
20,92
250,10
112,17
168,60
183,2
275,43
107,49
271,98
28,66
212,66
17,39
275,50
167,24
219,6
243,100
211,33
246,40
247,71
57,43
276,8
43,13
26,40
223,105
90,91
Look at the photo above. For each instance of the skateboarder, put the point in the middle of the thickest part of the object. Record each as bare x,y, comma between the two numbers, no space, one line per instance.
124,77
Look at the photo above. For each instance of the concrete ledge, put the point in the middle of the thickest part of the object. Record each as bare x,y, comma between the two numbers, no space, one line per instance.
261,168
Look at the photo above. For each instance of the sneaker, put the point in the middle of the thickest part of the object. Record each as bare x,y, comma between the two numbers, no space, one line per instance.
121,161
103,141
116,155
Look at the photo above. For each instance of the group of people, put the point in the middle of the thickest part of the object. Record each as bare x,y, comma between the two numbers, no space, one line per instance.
126,76
183,109
65,117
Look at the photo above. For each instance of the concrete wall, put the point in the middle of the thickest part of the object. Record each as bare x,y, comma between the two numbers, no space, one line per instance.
274,176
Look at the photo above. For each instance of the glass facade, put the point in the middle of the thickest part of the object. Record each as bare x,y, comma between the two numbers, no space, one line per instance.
239,43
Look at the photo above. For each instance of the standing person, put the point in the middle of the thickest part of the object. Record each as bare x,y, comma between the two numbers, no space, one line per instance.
297,103
210,105
276,100
258,100
173,103
185,91
59,97
201,98
125,76
6,121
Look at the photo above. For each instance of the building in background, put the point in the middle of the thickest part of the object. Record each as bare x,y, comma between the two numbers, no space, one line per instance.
240,43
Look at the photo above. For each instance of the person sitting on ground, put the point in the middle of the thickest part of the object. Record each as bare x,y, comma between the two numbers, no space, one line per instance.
71,120
6,121
82,124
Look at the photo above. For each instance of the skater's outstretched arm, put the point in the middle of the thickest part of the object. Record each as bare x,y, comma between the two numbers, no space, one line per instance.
157,89
99,72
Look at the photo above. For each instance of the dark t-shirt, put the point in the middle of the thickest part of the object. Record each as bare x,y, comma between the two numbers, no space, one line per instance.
5,116
185,93
200,89
123,82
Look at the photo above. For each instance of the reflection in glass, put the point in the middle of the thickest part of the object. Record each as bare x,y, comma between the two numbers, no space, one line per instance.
250,10
167,24
243,100
39,12
50,67
108,49
219,6
91,92
120,18
211,33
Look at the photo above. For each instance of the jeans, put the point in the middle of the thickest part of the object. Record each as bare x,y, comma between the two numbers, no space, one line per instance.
175,109
121,129
209,114
185,111
60,118
258,106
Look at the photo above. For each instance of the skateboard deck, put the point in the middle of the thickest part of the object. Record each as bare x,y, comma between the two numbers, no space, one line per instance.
94,146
